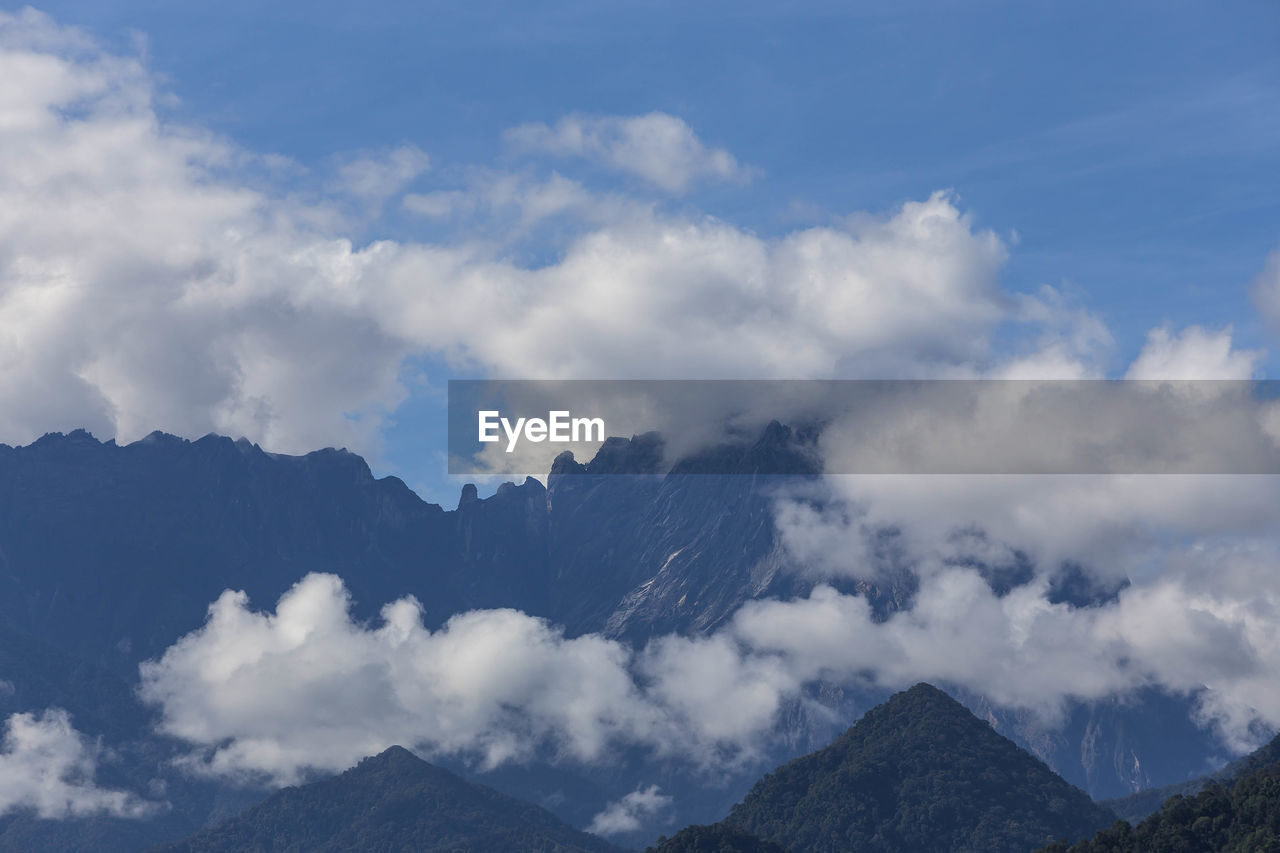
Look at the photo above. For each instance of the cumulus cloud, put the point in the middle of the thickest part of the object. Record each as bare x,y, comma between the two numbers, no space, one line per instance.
147,283
659,148
141,289
631,812
275,695
1022,650
48,767
1193,353
1073,342
673,299
272,693
1116,526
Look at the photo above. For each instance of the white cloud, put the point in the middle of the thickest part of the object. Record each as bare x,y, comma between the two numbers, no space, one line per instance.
275,694
143,286
661,298
376,178
141,290
631,812
307,687
1193,353
145,283
502,208
1073,342
46,766
662,149
1266,290
1207,628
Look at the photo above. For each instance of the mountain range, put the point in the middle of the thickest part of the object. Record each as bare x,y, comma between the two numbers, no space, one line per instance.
109,554
917,774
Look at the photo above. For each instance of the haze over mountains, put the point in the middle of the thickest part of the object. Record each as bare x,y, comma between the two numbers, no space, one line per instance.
109,555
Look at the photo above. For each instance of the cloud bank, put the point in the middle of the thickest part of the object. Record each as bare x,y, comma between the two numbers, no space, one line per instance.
153,276
277,695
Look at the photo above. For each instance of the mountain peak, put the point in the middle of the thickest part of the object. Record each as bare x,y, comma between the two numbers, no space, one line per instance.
393,801
924,695
392,756
922,773
925,690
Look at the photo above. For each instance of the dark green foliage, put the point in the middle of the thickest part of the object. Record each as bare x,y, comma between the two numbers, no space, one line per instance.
717,838
1243,817
392,803
919,773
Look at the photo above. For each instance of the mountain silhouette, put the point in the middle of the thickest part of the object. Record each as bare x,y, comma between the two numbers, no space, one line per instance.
393,802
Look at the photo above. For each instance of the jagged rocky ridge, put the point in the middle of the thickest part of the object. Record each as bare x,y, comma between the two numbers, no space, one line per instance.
109,553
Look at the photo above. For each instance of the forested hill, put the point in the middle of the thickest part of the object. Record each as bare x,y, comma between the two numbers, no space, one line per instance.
919,773
1135,807
393,803
717,838
1226,817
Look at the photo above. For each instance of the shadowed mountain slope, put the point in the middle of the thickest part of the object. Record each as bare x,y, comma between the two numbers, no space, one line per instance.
1240,816
917,774
393,802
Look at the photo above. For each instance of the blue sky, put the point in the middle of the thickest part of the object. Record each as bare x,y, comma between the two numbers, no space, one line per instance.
1128,154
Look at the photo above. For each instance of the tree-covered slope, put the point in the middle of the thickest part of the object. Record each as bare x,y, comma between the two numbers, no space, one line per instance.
1135,807
1226,817
717,838
392,803
917,774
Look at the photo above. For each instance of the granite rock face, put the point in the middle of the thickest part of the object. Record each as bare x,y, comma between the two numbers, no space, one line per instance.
111,553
